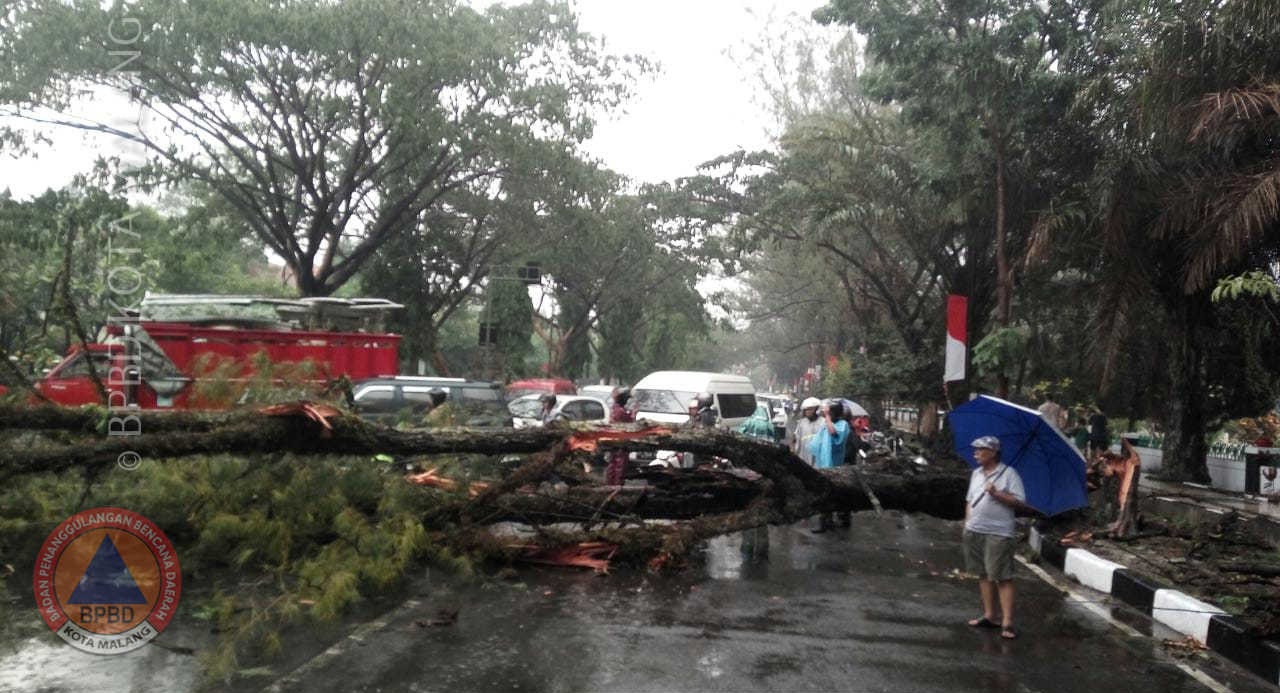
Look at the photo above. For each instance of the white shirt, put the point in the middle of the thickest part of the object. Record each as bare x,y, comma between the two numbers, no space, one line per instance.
986,514
805,431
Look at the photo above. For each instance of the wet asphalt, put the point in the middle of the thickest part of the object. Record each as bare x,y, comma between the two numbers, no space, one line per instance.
877,607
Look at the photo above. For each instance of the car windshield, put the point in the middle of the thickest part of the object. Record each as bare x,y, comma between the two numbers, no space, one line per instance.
526,408
663,401
478,394
79,367
736,406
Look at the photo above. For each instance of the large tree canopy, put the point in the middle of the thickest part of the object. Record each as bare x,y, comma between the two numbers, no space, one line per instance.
330,127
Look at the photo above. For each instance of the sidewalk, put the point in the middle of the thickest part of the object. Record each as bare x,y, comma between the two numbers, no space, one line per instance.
1197,502
1228,500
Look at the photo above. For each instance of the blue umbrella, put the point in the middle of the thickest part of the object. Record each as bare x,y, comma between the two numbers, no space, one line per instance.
1051,468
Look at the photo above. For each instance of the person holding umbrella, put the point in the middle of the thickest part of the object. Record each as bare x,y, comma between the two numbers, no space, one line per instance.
990,533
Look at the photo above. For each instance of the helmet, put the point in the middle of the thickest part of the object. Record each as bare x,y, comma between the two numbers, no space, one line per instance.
621,395
547,398
705,399
438,396
811,403
836,407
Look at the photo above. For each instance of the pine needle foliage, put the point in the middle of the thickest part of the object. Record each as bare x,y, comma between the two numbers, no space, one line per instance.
265,544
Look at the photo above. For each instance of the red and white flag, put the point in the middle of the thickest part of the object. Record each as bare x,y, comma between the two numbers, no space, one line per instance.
957,337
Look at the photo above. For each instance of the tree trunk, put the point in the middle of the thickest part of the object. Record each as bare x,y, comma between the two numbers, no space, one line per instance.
1185,448
1004,278
927,421
304,281
766,485
790,489
1115,478
434,353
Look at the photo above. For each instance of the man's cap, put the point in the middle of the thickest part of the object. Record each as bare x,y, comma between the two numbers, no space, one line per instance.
988,442
811,402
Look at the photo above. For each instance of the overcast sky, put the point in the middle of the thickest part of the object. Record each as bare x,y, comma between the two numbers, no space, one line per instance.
702,103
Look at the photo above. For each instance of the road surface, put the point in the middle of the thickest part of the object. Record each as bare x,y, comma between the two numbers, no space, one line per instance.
878,607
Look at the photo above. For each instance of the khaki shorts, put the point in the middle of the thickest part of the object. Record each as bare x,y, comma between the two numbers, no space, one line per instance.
989,556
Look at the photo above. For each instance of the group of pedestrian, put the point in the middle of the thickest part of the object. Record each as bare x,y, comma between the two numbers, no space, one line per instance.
822,439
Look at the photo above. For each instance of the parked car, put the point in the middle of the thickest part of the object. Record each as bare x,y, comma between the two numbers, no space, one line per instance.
556,386
604,393
526,411
390,398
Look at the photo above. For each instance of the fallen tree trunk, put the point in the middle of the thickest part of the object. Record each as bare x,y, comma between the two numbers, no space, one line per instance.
93,419
689,498
768,484
256,434
801,489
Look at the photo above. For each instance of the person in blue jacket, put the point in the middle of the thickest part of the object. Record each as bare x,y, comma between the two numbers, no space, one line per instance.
828,452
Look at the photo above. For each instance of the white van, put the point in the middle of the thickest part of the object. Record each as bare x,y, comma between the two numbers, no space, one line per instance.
663,396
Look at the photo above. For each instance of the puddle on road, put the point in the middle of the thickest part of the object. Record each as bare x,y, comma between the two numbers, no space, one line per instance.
765,552
45,664
740,556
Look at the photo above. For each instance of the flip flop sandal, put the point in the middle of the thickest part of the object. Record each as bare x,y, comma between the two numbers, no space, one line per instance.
983,622
1008,633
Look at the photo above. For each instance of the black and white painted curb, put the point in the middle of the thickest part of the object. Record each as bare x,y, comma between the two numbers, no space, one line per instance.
1210,625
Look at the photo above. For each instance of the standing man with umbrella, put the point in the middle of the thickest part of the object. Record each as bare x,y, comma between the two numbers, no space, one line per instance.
990,533
1014,446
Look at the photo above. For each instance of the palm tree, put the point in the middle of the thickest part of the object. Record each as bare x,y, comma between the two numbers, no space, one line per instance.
1191,194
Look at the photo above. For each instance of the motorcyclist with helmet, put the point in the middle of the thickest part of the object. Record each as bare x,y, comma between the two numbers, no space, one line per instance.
702,414
549,413
702,411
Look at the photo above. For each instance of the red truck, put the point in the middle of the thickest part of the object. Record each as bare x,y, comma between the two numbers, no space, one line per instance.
155,359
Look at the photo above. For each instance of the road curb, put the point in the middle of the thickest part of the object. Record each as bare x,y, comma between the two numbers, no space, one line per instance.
1219,631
